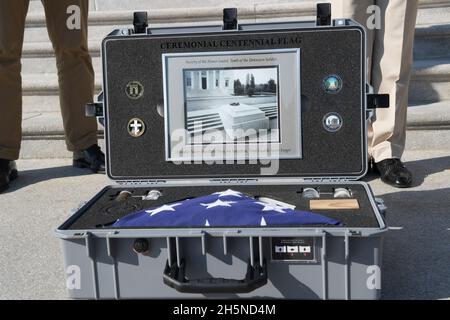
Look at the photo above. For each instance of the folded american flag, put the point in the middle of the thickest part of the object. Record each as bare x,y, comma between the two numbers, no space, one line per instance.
222,209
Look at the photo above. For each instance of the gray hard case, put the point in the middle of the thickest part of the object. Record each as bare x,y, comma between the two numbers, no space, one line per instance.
344,262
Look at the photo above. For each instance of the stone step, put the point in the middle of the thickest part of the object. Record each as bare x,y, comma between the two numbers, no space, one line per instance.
432,41
422,140
42,103
428,124
428,129
45,147
429,116
46,84
45,49
48,148
430,81
42,124
102,22
109,5
118,5
47,65
43,136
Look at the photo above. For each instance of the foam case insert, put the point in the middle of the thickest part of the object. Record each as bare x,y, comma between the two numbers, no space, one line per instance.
104,210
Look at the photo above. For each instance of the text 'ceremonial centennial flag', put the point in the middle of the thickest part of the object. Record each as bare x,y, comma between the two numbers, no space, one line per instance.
222,209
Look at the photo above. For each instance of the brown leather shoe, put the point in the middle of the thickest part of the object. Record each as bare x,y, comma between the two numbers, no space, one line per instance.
8,173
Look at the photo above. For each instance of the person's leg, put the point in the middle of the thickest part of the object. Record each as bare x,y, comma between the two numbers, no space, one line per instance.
12,25
75,71
392,64
76,80
357,11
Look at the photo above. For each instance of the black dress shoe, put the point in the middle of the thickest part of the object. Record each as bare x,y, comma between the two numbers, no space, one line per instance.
394,173
92,158
8,173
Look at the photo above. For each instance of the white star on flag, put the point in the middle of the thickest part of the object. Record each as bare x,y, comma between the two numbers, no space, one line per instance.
218,203
229,192
263,222
207,224
273,207
162,209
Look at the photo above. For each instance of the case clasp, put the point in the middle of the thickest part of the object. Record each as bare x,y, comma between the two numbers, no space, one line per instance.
94,109
378,101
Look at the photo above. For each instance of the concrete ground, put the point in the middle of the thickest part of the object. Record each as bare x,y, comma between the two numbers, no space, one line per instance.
416,258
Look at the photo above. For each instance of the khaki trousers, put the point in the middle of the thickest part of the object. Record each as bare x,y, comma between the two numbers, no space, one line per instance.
75,73
390,59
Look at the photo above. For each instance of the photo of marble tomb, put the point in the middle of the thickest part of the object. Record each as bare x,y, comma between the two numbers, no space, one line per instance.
239,102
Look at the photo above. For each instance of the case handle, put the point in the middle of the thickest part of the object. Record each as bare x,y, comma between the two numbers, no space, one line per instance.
175,277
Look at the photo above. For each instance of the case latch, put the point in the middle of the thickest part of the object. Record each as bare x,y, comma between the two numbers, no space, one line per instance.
234,180
323,14
94,109
230,21
378,101
140,22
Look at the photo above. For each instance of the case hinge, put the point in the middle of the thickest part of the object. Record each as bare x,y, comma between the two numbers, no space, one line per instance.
326,180
233,180
141,182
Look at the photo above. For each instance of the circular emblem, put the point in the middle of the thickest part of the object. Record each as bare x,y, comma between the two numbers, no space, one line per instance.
332,122
136,127
134,90
332,84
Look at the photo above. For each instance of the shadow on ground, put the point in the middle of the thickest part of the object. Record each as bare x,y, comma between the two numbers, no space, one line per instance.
29,177
417,258
421,169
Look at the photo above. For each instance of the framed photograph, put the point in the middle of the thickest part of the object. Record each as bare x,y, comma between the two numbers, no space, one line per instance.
230,99
240,105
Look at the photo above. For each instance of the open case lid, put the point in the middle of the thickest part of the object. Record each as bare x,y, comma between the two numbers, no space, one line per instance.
164,78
